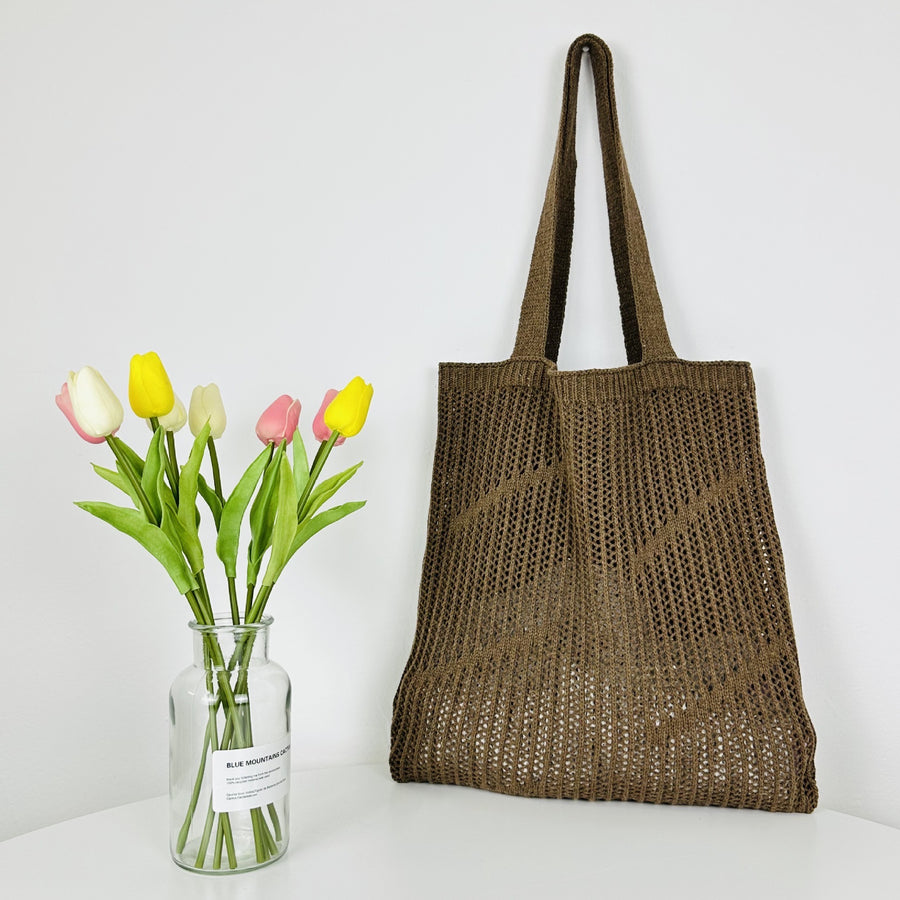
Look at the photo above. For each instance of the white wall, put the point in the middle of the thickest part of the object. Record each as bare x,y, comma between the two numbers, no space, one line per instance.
280,195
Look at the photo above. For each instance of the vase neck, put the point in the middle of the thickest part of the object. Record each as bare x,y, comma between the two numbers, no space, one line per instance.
225,645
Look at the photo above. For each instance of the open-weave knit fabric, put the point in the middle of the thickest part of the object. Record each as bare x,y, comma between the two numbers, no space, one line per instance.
603,611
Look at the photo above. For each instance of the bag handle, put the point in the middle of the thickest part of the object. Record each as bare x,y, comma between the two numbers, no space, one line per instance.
544,305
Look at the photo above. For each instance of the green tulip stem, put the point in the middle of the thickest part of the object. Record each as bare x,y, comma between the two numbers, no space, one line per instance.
242,686
204,595
262,838
205,617
258,839
214,462
131,475
237,723
233,724
254,609
195,795
315,471
211,737
207,740
229,841
223,831
232,598
259,605
251,586
237,733
204,840
217,852
276,822
268,840
227,693
196,607
171,471
172,461
215,653
211,742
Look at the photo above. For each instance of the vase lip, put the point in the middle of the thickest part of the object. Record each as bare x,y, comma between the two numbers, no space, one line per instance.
224,623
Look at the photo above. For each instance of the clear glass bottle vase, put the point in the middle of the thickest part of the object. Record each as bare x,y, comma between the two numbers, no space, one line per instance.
229,752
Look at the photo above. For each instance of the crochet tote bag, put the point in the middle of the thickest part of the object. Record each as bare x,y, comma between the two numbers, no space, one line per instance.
603,611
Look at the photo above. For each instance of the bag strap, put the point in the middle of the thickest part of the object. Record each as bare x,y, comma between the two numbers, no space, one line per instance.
543,308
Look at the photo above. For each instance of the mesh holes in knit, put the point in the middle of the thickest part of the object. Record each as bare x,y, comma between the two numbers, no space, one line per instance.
603,612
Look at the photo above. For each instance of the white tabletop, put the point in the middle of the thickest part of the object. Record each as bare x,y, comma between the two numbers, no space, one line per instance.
354,833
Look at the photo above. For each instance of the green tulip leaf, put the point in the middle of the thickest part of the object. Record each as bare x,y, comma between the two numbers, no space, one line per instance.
233,514
326,490
150,477
117,479
180,535
211,498
188,481
301,463
262,512
254,562
317,523
130,488
178,532
167,524
134,460
133,523
163,488
285,528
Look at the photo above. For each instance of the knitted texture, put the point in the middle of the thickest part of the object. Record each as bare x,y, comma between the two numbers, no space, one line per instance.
603,611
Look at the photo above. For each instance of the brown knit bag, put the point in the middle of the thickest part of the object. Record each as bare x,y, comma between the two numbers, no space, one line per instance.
603,611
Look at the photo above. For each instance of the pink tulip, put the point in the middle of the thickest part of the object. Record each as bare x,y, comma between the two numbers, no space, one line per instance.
279,422
64,402
321,431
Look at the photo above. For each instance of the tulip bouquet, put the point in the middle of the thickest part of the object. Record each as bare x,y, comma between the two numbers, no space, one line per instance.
285,500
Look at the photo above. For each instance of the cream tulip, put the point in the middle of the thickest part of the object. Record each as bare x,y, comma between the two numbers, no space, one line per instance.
174,420
206,406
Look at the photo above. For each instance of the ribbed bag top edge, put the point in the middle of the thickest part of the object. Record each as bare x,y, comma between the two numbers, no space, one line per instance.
598,384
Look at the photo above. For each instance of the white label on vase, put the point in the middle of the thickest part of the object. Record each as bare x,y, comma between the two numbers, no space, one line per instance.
251,777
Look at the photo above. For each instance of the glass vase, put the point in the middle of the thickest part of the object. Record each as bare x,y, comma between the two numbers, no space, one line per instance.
229,752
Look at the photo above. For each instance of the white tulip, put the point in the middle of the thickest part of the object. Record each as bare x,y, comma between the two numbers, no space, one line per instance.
97,409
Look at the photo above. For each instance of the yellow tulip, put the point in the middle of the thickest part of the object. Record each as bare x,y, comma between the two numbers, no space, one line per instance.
149,389
347,413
